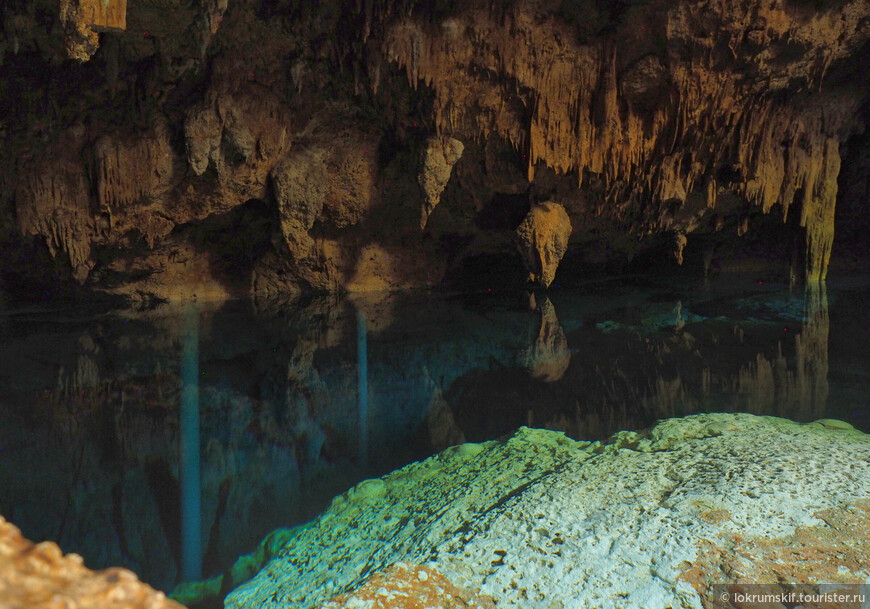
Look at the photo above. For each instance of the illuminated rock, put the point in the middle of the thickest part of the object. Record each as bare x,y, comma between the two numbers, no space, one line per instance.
650,519
703,116
39,575
439,157
542,239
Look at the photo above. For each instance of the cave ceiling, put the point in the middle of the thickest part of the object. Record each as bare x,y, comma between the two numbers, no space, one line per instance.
227,148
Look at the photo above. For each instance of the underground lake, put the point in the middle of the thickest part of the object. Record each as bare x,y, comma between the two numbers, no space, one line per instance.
172,440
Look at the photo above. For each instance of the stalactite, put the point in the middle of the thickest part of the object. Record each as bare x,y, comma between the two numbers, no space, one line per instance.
54,204
125,172
587,117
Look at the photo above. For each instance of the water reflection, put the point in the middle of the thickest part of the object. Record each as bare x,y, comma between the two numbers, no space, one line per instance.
189,457
362,386
298,403
548,357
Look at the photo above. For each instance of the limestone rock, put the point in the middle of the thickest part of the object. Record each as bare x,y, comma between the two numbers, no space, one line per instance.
202,133
725,108
642,521
680,241
54,203
130,168
75,206
301,184
39,575
242,133
80,37
542,239
439,157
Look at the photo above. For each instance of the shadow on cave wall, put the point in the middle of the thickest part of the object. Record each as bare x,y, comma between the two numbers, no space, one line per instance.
236,239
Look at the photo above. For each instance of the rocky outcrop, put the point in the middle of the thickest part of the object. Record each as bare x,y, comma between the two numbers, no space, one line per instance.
542,239
241,134
438,159
80,35
532,520
39,575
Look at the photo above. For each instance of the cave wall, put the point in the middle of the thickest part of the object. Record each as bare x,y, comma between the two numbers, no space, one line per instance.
390,145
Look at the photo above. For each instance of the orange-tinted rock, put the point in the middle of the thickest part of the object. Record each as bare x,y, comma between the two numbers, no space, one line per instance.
36,576
439,157
831,553
722,109
409,586
542,239
80,35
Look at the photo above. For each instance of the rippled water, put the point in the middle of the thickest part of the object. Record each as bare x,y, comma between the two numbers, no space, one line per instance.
91,437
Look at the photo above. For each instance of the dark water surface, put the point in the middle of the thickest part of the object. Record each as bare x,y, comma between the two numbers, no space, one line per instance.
91,433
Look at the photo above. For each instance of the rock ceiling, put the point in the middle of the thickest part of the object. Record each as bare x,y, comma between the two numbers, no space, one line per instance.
272,147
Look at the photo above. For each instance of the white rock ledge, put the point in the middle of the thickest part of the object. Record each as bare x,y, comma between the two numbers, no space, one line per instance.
541,521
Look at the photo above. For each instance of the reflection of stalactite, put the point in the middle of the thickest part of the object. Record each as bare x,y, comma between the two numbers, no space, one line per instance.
86,374
769,385
794,387
756,383
812,349
548,357
670,398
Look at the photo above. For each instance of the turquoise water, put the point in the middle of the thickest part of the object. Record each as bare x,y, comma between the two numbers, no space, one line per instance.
91,435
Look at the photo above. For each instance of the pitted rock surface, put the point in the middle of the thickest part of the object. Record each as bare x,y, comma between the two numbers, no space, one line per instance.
539,520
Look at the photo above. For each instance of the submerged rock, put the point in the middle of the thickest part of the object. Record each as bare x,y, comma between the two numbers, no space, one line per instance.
647,520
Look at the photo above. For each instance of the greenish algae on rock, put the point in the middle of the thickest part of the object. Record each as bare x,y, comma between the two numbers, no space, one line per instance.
539,520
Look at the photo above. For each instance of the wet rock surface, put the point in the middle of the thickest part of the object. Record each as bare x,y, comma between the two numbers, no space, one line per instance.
647,519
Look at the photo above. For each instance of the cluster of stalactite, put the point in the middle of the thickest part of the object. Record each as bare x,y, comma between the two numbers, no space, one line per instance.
664,111
674,119
76,195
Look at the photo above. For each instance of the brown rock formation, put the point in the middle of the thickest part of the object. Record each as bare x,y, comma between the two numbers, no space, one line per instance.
77,17
677,104
39,575
542,239
438,160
